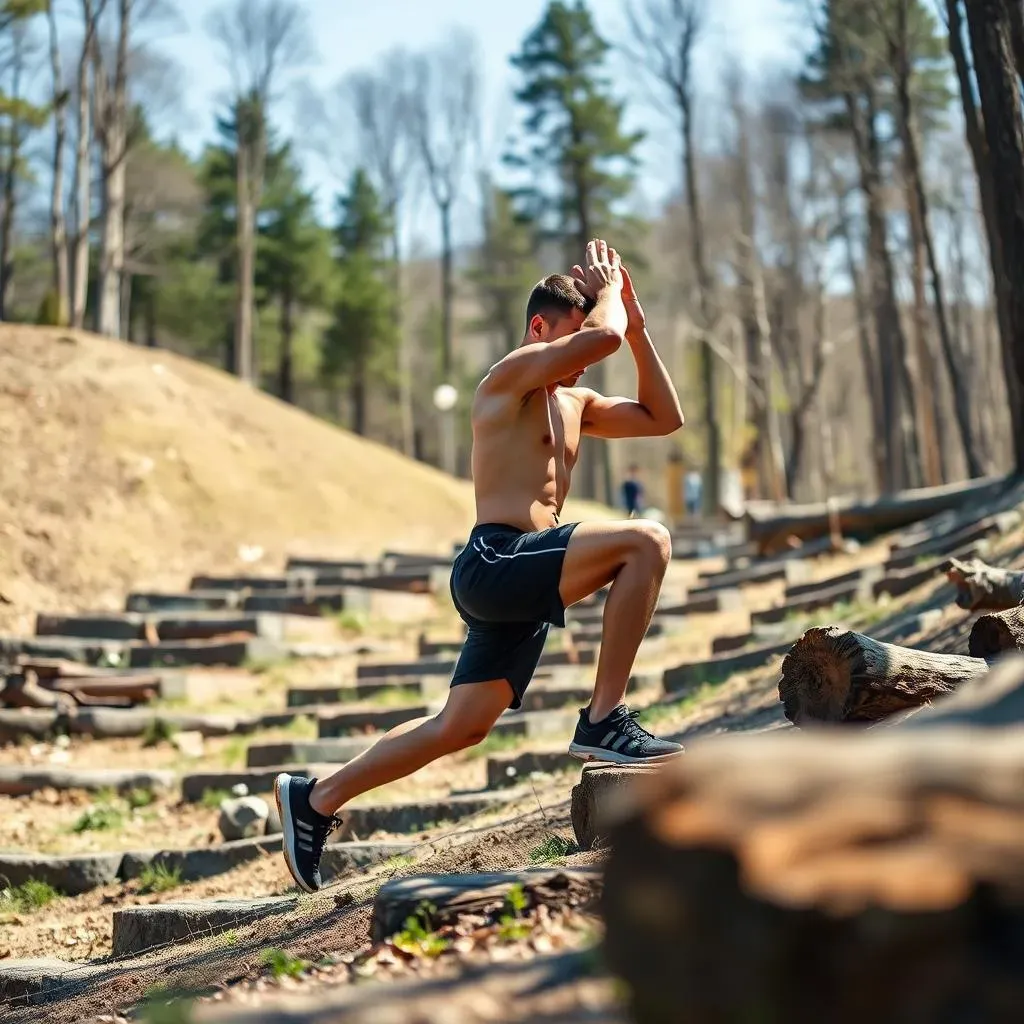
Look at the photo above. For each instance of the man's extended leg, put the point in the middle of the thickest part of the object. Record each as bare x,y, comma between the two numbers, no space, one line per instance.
307,809
633,557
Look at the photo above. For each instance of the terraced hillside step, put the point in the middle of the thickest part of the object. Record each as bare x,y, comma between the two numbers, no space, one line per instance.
396,560
504,770
27,982
410,691
327,566
164,626
111,723
708,603
336,751
842,594
535,725
412,817
692,675
71,875
792,570
332,723
193,601
215,582
17,724
784,633
19,781
200,862
593,635
400,669
135,654
864,576
584,654
555,697
256,780
561,988
896,584
945,544
448,895
438,648
310,602
138,929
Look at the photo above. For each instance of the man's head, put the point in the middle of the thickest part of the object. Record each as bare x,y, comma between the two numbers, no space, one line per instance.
556,308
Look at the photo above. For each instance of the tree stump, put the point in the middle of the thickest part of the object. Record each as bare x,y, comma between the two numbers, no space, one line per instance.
997,632
832,674
982,586
808,878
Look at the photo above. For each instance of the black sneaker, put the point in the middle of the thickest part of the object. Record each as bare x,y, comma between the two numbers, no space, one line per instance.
620,739
305,830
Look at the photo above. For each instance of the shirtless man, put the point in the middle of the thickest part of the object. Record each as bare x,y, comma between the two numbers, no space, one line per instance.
522,568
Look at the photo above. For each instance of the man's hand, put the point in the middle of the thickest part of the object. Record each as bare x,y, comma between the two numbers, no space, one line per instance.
637,322
604,270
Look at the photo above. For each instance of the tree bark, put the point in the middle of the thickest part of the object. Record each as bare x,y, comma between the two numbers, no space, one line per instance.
981,586
708,367
58,225
357,394
917,204
151,303
245,238
999,89
10,175
447,292
83,176
994,634
285,382
836,675
981,156
112,121
852,877
898,377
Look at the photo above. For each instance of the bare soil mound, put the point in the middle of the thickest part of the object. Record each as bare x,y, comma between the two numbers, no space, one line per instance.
126,467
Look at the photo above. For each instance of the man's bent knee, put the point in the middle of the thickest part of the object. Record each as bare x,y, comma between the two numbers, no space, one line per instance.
458,735
652,539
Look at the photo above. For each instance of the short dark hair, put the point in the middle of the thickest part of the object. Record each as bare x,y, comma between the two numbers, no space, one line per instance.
556,296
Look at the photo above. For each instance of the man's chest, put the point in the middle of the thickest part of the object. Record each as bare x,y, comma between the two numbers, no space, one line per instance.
554,421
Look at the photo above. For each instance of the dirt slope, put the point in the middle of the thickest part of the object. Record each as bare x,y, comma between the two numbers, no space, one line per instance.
125,467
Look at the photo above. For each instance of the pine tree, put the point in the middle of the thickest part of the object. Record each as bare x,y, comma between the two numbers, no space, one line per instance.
580,160
362,338
293,261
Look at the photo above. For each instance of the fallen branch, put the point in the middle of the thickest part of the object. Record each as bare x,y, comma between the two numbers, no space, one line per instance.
984,586
997,632
832,674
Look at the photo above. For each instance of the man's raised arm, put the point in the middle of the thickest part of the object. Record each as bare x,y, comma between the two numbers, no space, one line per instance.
656,410
601,333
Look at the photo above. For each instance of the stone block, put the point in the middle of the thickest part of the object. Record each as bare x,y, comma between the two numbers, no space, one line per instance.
70,875
504,770
243,817
335,751
201,862
367,719
18,781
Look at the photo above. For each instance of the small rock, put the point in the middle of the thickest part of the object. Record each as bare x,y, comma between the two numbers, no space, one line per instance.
273,825
63,742
243,817
240,789
188,743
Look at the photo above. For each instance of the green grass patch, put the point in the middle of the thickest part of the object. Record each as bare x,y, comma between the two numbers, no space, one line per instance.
158,878
397,863
282,964
394,698
139,798
233,754
352,622
157,731
213,798
655,714
101,817
554,849
497,743
418,937
511,927
302,727
27,898
162,1004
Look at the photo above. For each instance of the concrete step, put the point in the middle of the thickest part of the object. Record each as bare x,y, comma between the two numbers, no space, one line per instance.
334,751
409,691
194,601
692,675
332,723
504,770
163,626
21,781
414,817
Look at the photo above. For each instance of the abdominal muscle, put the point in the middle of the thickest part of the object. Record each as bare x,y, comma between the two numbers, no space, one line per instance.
523,456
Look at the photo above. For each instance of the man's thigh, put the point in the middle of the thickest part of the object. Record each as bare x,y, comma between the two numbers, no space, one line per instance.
597,551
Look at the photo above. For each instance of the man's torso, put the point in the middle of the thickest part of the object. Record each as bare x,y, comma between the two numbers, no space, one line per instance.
524,451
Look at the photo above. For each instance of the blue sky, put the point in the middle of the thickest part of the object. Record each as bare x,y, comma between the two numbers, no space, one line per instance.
762,34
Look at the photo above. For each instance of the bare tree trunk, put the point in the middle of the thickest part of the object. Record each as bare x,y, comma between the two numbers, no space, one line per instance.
447,291
358,398
898,377
58,226
245,241
83,175
981,156
112,107
125,298
708,368
285,381
407,421
13,157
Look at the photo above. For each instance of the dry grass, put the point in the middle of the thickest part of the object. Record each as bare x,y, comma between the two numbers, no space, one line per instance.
128,467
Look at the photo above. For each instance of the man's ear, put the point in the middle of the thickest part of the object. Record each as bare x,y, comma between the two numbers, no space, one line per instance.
538,327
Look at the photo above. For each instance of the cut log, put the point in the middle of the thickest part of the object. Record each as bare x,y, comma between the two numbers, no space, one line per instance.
835,675
992,701
771,525
980,586
21,690
820,878
996,633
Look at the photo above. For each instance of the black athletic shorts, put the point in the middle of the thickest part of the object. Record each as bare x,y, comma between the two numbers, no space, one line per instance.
505,587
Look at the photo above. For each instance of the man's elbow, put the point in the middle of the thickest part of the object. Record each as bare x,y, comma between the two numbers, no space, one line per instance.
671,423
609,341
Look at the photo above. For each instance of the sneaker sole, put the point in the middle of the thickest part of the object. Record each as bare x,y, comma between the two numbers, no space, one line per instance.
284,811
613,757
